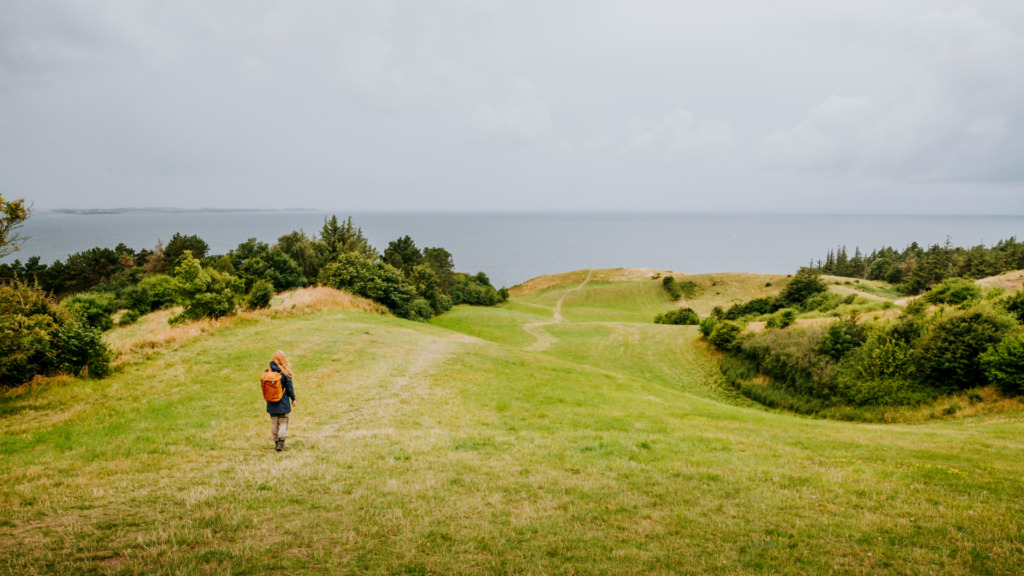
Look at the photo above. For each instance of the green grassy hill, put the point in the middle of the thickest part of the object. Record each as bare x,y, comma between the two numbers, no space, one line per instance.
561,433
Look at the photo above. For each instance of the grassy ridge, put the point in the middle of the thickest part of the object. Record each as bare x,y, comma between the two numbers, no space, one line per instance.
450,448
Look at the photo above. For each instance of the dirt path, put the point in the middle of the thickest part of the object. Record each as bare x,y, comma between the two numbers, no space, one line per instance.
545,339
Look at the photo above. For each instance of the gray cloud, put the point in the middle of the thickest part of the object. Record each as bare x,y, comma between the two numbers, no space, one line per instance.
958,114
363,104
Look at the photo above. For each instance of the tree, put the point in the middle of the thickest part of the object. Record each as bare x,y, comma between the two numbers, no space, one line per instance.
441,262
302,250
179,243
403,255
803,285
254,260
342,238
13,214
204,293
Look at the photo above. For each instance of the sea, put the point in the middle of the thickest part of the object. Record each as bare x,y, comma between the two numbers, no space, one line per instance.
514,247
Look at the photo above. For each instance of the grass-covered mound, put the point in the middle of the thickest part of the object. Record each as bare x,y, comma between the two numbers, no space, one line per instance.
418,448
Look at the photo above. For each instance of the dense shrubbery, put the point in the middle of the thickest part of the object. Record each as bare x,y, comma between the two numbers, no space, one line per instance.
671,288
39,337
804,291
204,292
956,291
849,365
916,269
679,316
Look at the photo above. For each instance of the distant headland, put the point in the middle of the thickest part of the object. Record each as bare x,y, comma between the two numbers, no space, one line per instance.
165,210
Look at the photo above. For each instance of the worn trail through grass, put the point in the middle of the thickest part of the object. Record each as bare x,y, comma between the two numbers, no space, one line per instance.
535,329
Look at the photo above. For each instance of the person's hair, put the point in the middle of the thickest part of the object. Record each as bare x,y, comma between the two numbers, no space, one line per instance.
282,363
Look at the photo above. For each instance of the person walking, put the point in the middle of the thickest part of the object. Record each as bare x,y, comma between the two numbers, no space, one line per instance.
280,410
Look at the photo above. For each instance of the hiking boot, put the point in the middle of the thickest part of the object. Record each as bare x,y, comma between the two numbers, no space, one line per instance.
278,445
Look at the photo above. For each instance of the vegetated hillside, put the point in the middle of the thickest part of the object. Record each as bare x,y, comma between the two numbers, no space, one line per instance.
415,448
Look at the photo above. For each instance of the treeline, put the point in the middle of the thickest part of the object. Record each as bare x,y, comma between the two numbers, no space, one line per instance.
83,291
851,369
915,269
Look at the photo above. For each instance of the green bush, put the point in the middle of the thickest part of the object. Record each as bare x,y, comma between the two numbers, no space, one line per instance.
781,319
947,356
724,335
378,281
755,307
260,296
39,337
955,291
671,288
707,325
1004,364
679,316
79,349
1014,304
94,308
153,292
474,289
204,293
128,317
841,337
804,285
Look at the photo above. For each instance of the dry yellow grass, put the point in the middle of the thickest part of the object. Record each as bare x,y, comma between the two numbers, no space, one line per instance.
1008,281
728,288
321,298
152,332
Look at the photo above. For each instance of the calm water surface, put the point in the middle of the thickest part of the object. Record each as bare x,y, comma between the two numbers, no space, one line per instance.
512,248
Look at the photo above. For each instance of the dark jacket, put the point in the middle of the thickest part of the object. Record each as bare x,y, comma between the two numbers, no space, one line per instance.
284,405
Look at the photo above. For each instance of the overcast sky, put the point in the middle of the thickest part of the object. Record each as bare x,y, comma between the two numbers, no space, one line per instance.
857,106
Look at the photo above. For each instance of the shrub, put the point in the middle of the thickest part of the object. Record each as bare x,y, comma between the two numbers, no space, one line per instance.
947,356
380,282
128,317
707,325
1014,304
789,357
93,308
671,288
1003,364
841,337
754,307
823,302
474,289
153,292
79,349
260,296
781,319
955,291
39,337
205,293
805,284
679,316
724,335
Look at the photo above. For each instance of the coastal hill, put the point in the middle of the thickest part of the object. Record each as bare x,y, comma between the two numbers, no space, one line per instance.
562,432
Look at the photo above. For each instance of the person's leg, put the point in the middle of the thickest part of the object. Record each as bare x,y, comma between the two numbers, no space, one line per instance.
282,430
275,424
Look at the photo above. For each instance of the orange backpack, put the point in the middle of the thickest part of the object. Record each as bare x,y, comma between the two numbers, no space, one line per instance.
270,382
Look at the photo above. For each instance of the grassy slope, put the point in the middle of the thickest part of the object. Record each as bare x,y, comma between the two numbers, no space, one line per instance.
417,449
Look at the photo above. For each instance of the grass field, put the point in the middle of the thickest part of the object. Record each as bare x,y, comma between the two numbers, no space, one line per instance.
457,447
